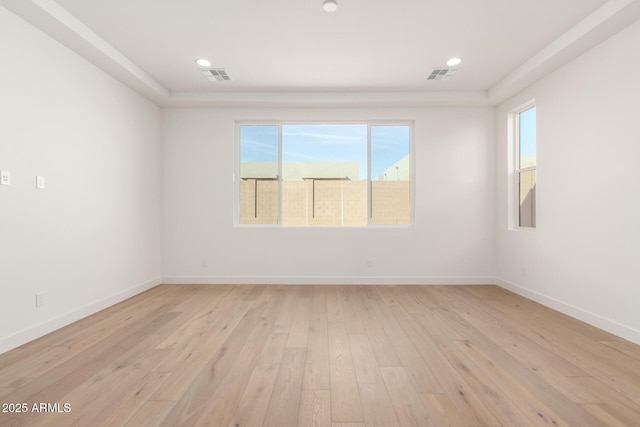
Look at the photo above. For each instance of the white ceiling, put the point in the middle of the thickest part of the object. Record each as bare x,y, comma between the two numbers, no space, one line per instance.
295,44
286,48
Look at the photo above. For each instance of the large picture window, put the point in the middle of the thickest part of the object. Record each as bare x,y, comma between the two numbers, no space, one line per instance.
299,174
526,166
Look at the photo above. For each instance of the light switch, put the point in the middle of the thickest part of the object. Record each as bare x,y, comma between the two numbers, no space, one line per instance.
40,182
5,178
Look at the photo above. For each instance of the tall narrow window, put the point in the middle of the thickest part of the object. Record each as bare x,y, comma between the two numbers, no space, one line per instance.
526,167
259,199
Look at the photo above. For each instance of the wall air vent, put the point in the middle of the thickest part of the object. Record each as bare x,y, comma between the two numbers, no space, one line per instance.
442,74
216,74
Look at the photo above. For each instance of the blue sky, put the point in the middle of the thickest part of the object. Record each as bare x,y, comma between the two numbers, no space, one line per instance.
326,143
388,145
527,136
258,143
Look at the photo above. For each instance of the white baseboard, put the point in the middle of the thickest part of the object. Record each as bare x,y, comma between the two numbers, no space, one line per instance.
34,332
326,280
593,319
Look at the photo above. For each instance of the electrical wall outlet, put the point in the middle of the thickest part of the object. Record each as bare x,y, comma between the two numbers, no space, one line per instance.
5,178
39,182
40,299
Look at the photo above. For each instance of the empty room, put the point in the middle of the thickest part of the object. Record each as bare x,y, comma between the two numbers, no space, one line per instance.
319,213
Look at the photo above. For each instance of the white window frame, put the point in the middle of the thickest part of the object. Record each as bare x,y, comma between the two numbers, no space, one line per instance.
280,123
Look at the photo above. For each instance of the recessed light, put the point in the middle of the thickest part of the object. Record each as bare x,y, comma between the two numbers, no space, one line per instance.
454,61
330,5
203,62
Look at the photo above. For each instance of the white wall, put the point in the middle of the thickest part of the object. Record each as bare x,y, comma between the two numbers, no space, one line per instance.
583,257
451,242
92,237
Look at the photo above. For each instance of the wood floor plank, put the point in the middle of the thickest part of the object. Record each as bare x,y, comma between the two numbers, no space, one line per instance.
190,358
254,292
221,405
315,408
546,317
195,296
500,330
602,412
151,300
422,375
123,374
432,346
264,297
56,384
570,388
151,413
73,340
623,346
288,314
116,380
406,402
319,304
429,317
388,295
569,338
537,399
442,409
555,369
439,295
326,355
334,308
617,405
195,398
349,300
370,292
17,375
374,397
303,291
284,405
345,398
5,391
381,344
490,390
255,400
519,375
317,374
133,400
407,300
197,317
299,333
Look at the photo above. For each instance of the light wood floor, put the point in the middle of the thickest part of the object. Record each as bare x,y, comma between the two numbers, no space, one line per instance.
326,356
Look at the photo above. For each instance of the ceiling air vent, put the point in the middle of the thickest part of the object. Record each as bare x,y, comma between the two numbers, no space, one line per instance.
442,74
216,74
